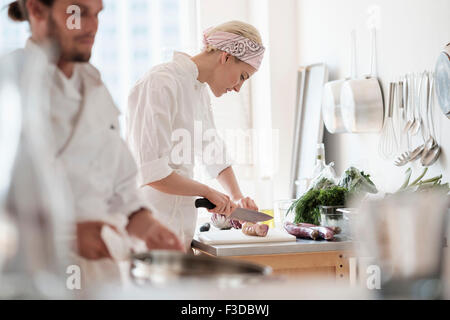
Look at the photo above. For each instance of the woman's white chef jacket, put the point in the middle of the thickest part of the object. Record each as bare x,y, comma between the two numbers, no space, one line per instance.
167,105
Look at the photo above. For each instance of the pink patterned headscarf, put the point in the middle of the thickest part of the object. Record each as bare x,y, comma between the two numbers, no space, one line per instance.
241,47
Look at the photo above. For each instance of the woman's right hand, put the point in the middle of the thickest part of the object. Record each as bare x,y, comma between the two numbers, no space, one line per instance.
223,203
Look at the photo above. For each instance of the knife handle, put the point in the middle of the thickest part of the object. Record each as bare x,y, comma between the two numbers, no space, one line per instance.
204,203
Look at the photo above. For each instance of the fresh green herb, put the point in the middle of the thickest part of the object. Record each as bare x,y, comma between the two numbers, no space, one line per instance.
334,196
357,182
326,193
419,185
323,184
418,179
307,207
408,177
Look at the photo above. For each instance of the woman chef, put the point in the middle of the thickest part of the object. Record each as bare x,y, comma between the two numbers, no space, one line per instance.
169,108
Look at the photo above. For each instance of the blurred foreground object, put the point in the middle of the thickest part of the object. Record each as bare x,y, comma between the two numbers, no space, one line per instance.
32,189
404,235
159,267
10,127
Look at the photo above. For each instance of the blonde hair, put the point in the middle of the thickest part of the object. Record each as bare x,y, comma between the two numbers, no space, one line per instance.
237,27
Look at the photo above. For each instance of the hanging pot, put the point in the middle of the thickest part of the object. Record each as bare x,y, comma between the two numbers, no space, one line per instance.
331,104
362,101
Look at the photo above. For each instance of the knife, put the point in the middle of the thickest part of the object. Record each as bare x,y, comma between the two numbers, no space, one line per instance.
238,213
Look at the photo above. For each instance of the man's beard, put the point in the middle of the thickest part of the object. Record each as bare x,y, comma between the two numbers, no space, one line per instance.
58,38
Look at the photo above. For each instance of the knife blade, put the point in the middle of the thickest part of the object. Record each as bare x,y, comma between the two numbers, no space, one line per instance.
238,213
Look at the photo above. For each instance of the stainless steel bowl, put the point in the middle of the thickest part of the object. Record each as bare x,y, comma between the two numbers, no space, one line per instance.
161,267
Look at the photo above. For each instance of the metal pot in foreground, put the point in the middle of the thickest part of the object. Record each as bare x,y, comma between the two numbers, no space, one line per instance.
163,267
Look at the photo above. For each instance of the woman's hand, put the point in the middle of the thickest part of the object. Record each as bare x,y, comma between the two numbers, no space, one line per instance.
247,202
156,236
229,182
223,203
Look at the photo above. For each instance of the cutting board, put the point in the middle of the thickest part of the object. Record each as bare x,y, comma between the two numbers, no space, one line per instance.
235,236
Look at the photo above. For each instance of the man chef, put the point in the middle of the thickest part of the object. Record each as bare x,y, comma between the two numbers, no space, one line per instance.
84,120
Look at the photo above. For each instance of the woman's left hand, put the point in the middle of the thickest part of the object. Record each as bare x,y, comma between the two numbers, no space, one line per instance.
247,202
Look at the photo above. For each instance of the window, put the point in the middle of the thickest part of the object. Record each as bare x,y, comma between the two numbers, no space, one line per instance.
133,36
12,35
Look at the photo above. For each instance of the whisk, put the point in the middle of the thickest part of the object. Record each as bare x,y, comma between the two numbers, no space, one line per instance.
387,145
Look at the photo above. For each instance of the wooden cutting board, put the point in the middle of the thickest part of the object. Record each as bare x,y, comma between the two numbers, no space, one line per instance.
234,236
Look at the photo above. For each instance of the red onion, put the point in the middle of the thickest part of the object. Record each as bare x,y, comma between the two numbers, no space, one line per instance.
236,224
220,221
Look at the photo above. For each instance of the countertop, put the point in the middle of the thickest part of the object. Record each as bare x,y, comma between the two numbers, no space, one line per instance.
299,246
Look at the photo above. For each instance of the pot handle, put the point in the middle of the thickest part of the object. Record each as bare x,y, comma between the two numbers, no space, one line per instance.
392,87
373,55
353,54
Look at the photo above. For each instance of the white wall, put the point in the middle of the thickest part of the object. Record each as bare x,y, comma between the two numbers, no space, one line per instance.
410,36
283,77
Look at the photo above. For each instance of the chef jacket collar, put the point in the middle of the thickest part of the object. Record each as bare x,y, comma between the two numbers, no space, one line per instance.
189,67
48,53
69,86
44,50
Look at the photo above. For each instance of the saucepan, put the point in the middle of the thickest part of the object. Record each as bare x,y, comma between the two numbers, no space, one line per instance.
362,101
160,267
331,104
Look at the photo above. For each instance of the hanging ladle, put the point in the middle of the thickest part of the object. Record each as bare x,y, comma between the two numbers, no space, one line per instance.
417,152
430,155
431,142
415,126
408,99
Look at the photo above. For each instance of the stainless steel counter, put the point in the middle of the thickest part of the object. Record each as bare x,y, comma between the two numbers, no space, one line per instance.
301,245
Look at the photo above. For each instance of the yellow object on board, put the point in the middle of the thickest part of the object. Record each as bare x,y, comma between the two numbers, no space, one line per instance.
270,222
